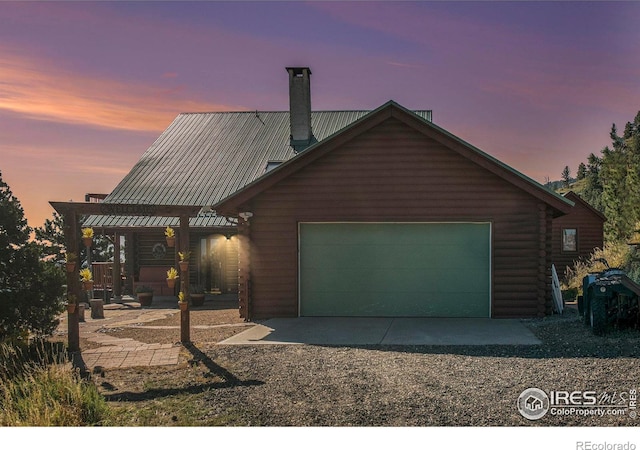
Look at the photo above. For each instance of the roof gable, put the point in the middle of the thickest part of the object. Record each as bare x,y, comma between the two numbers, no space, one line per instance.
577,200
390,109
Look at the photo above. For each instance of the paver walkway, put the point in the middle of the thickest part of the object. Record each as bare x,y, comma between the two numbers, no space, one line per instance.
119,353
124,352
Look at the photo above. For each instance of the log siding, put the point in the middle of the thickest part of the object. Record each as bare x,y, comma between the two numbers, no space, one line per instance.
394,173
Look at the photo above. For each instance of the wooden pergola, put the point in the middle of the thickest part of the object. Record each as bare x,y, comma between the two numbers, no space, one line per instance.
71,213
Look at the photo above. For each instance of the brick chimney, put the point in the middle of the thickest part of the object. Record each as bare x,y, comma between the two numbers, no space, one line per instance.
300,108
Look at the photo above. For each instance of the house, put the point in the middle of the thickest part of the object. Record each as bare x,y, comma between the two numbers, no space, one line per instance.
344,213
198,160
577,234
393,216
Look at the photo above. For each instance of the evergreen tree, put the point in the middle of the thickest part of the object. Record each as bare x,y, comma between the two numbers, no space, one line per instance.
582,172
50,237
593,189
620,178
30,289
566,176
612,182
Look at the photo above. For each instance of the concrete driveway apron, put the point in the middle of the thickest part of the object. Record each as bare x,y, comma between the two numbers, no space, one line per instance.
386,331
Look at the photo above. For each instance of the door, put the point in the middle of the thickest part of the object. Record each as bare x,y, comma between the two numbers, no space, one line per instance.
395,269
212,261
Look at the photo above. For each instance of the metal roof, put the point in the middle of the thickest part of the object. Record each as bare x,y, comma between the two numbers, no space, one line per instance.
202,158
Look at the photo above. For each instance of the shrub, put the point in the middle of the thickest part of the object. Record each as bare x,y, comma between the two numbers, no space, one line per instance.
616,254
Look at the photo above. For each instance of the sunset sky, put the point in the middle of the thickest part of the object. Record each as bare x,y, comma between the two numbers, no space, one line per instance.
86,87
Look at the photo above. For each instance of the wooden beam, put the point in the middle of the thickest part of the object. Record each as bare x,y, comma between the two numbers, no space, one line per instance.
126,209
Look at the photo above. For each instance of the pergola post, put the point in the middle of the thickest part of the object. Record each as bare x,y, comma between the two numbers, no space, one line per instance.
115,275
185,329
71,227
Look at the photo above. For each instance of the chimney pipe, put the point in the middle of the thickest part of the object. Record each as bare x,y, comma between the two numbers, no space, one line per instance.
300,108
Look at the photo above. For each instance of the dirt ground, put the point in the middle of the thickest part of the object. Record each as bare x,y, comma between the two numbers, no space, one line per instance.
217,320
207,326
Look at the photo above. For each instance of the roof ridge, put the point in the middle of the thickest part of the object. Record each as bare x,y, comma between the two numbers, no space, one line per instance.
287,112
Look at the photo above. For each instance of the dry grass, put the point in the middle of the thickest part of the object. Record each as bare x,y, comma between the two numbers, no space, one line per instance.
46,393
617,255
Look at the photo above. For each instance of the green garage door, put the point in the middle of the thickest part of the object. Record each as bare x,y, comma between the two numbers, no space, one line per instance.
392,269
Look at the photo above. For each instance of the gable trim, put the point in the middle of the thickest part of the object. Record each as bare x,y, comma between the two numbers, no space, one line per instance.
575,198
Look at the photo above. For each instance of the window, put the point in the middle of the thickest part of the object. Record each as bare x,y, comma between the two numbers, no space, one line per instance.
569,240
272,165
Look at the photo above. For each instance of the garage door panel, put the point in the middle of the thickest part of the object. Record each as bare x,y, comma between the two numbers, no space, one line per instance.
394,256
401,233
428,305
417,269
380,279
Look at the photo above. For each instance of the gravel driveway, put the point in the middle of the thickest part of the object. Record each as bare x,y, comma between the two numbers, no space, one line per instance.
418,386
305,385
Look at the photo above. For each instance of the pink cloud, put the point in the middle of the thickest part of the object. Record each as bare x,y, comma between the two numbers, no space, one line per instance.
38,89
548,90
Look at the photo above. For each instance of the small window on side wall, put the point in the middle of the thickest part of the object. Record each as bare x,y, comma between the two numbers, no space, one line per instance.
569,240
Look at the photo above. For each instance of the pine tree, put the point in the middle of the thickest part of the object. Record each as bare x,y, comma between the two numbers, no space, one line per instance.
620,178
566,176
50,237
582,172
593,189
30,289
